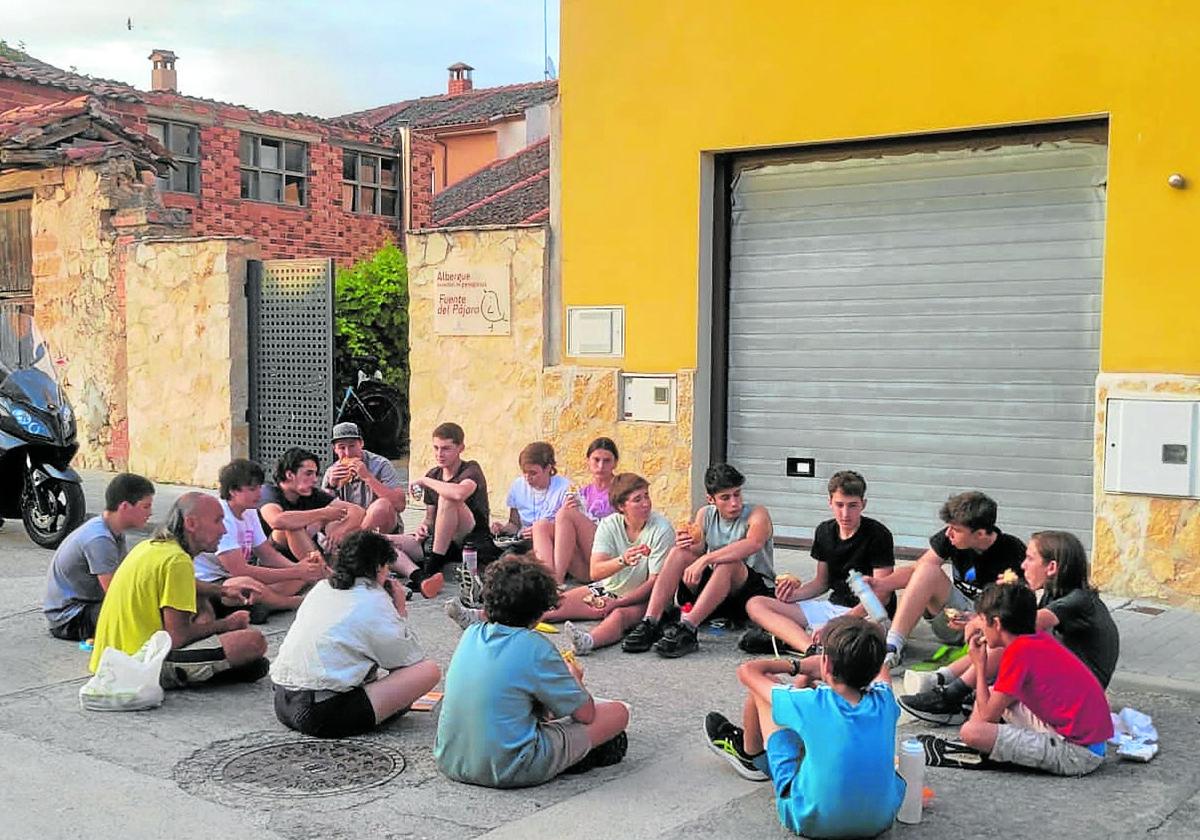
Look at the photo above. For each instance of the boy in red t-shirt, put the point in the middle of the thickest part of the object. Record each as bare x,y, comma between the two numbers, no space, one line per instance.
1046,709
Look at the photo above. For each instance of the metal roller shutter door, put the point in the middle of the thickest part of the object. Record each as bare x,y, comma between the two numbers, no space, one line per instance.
931,319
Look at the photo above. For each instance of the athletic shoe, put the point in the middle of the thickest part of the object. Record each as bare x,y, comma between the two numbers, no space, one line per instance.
677,640
933,706
470,588
581,641
642,637
464,617
725,740
761,643
940,752
608,753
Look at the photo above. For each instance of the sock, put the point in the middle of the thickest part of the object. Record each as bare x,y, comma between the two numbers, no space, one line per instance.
581,640
945,676
653,622
434,562
689,624
895,640
956,690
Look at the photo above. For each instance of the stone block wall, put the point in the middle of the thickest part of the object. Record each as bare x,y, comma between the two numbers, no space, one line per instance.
1144,545
80,226
186,347
489,385
498,389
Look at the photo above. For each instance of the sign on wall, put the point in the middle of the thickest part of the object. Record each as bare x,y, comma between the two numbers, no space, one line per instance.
472,300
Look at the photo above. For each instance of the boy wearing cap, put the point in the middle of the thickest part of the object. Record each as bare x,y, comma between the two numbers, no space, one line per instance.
365,479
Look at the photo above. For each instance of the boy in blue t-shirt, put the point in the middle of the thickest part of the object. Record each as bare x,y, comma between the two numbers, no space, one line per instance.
829,750
514,712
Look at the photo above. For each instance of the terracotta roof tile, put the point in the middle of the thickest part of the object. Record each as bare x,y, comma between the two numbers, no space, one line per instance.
31,70
510,191
481,105
71,130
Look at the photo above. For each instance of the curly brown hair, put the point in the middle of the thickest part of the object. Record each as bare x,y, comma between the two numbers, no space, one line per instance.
517,589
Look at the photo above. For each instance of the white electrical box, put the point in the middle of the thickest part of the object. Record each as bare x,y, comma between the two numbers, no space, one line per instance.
649,398
1150,447
596,331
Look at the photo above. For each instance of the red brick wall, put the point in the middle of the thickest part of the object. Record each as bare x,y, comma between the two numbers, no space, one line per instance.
319,229
421,155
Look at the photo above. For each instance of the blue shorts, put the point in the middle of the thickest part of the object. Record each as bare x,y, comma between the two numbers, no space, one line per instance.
785,751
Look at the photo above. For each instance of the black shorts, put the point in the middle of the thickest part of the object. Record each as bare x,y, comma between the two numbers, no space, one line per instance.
733,607
339,715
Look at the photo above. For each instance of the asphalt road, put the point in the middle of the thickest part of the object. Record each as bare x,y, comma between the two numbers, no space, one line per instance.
216,763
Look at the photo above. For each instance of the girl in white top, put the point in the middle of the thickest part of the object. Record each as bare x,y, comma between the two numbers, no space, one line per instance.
628,552
575,525
534,500
347,631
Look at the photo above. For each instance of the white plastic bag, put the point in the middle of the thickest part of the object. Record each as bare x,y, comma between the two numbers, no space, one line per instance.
124,683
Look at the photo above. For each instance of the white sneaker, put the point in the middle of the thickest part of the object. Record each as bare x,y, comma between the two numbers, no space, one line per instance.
464,617
581,641
470,588
916,682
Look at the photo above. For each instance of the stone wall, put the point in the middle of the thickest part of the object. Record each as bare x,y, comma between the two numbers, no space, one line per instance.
80,226
186,348
580,404
498,389
1144,545
489,385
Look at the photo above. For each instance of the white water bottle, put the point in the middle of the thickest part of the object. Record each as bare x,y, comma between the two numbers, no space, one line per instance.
866,596
912,770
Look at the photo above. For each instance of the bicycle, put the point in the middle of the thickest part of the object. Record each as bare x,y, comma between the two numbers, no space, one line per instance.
378,409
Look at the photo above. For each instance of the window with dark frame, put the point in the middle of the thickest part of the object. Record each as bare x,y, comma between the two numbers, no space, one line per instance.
370,183
182,140
274,170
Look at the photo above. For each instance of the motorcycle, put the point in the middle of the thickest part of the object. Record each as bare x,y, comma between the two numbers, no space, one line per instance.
37,437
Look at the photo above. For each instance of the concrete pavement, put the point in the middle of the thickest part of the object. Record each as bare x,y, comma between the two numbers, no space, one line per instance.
182,767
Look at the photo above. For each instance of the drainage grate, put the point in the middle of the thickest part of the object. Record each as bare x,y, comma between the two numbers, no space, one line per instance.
312,768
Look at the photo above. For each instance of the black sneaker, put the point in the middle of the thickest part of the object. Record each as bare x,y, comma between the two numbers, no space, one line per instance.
677,640
761,643
725,740
608,753
642,637
940,752
259,613
933,706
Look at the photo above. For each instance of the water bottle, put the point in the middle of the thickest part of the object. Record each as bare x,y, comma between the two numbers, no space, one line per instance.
470,558
912,770
867,596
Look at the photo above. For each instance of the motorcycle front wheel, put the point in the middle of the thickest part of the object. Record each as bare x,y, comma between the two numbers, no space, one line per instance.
57,510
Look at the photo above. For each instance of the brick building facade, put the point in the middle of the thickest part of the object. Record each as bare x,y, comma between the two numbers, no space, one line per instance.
317,188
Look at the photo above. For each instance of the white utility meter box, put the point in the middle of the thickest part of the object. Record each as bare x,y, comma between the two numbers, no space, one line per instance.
1150,447
648,397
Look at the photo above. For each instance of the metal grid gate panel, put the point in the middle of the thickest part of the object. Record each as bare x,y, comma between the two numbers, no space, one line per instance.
291,357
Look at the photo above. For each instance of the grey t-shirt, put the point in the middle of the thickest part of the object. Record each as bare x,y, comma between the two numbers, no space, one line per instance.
719,533
88,551
357,492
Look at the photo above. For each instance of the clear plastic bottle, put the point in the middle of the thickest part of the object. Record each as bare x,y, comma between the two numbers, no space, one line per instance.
912,770
867,596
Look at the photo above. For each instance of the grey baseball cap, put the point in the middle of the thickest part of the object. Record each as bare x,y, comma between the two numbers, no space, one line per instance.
345,431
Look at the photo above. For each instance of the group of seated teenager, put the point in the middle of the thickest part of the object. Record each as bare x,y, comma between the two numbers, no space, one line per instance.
1030,690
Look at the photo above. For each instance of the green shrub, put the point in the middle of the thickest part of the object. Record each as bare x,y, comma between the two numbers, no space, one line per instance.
371,319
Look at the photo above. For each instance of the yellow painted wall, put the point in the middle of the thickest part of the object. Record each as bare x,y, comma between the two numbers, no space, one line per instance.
647,88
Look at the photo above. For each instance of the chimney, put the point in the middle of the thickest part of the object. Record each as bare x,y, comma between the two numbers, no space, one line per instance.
460,78
162,76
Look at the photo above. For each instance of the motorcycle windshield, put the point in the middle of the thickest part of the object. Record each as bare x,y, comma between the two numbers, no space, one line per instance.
22,346
25,365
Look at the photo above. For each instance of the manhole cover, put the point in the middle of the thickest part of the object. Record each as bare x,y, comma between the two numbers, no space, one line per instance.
311,768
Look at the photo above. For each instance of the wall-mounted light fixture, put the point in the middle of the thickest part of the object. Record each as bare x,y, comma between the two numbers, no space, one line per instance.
1176,181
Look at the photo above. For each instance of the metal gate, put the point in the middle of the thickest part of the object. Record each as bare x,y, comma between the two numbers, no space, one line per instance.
291,357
